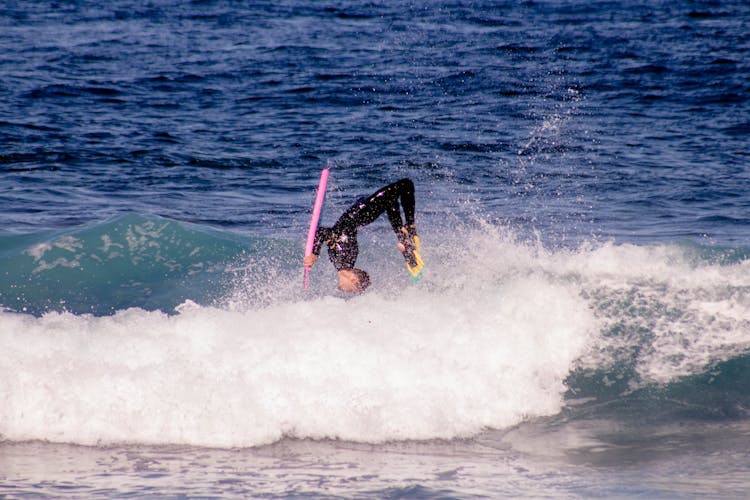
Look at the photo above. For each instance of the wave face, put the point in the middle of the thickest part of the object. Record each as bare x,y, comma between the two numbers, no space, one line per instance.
499,331
131,261
673,335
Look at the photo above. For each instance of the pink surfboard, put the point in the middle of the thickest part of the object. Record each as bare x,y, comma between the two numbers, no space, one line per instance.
319,197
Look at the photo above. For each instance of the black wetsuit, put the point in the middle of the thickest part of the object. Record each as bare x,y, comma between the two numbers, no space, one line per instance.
342,237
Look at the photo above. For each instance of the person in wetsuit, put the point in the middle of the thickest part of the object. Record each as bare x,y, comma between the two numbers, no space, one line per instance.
341,239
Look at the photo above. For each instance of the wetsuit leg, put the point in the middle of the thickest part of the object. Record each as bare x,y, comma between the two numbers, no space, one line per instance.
366,210
404,189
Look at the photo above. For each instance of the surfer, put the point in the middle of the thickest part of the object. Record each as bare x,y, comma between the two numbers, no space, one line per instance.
341,239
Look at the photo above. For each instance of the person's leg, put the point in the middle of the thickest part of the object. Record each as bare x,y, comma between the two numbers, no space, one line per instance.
402,191
366,210
407,200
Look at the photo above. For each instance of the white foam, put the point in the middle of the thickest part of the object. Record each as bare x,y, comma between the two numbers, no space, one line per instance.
485,341
661,307
426,363
680,314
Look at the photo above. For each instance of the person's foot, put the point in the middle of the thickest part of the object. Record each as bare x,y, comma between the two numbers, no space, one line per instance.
407,245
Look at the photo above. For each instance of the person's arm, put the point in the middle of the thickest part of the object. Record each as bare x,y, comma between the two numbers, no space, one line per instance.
321,235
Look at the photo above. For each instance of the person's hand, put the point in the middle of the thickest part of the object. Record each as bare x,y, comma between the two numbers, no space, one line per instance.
310,260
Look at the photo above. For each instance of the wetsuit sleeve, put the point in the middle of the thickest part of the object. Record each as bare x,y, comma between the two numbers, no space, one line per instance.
321,235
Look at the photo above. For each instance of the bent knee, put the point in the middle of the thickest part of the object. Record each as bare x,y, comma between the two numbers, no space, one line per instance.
406,184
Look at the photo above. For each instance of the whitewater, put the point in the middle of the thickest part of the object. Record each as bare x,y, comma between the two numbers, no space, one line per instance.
486,342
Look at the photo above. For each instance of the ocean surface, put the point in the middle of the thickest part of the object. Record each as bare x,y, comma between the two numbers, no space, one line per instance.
582,175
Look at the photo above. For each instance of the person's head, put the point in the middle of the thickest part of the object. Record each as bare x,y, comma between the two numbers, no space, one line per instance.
353,280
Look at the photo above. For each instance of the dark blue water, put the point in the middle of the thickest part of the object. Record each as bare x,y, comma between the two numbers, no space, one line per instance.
583,190
620,119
